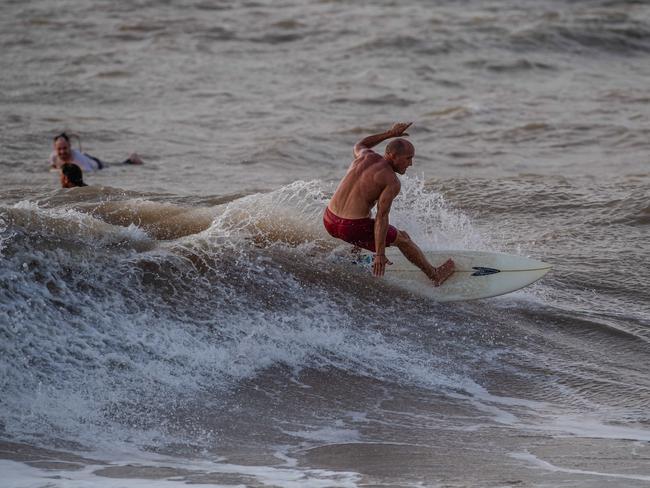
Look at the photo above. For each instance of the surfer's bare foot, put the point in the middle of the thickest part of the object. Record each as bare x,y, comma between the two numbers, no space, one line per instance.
443,272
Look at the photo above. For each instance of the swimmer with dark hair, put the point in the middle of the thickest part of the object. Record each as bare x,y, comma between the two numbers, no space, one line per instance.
71,176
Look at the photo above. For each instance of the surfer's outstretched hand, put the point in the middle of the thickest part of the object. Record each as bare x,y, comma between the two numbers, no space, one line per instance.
379,264
398,129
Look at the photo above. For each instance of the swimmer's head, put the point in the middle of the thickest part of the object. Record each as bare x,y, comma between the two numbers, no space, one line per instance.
71,176
62,147
62,135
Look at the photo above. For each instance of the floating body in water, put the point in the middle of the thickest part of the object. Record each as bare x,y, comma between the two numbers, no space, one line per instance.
63,153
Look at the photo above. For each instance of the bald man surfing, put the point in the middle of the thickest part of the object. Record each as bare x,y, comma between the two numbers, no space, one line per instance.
371,180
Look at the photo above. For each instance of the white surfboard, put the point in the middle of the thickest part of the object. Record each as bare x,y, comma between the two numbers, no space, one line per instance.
478,274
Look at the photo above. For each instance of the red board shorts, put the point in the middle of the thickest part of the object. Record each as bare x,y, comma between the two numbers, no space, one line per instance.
359,232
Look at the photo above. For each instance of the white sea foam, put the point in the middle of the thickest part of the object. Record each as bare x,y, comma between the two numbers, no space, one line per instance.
293,213
74,224
541,464
595,427
327,434
432,222
19,475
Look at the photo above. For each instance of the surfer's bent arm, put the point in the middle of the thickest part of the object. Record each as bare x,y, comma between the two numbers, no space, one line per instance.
381,227
371,141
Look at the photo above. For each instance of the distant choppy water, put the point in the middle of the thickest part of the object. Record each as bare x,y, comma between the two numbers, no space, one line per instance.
190,321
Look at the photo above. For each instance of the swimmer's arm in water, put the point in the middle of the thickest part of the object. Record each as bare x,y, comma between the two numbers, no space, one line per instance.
371,141
52,162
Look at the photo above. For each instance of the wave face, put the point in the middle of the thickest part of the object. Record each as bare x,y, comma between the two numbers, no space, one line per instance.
138,337
105,325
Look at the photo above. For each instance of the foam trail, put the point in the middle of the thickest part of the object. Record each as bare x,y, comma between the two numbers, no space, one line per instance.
540,463
170,473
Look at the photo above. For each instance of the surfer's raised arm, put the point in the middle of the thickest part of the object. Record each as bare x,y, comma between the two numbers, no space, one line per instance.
371,141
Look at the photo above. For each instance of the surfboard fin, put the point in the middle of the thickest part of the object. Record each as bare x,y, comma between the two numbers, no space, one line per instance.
481,271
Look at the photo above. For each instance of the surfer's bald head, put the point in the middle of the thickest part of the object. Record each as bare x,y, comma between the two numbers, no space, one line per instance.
399,147
399,154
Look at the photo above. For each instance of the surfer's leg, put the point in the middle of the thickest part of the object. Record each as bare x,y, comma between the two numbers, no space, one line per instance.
413,253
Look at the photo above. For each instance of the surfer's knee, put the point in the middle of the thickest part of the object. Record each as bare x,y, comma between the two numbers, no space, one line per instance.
402,239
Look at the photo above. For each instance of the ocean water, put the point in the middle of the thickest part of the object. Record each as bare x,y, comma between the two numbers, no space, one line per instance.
189,321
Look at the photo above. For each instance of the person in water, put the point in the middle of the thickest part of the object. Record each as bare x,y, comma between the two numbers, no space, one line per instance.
71,176
63,153
371,180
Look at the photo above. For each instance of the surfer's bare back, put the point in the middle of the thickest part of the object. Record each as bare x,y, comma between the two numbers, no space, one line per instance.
371,180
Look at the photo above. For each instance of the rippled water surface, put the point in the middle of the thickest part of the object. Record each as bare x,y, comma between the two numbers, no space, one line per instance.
189,320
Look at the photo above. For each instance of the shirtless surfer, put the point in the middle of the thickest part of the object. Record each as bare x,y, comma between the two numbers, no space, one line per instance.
370,181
